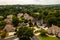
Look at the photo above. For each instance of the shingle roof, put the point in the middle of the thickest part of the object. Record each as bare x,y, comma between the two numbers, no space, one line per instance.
19,15
9,28
54,30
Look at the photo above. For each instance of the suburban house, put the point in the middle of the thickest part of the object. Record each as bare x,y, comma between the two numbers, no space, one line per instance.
8,20
9,16
40,23
20,15
55,30
28,17
9,28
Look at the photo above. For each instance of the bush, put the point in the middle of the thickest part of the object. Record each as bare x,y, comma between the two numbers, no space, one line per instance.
43,32
2,24
15,21
30,24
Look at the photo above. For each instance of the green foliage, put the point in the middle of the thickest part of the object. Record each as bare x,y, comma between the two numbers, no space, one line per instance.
15,21
25,33
30,24
25,21
51,20
2,24
43,32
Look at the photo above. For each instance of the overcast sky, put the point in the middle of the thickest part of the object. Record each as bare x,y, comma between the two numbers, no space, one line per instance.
42,2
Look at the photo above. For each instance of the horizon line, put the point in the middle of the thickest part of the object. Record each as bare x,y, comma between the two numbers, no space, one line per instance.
29,4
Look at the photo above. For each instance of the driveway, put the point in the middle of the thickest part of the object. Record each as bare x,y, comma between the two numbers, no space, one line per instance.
35,38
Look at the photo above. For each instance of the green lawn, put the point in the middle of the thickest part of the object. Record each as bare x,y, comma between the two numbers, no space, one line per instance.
48,38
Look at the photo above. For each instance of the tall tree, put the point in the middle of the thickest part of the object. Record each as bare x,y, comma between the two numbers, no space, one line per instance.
25,33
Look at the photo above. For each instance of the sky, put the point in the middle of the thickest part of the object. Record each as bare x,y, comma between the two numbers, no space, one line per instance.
22,2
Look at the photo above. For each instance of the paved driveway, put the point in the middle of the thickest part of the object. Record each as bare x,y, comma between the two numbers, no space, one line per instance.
35,38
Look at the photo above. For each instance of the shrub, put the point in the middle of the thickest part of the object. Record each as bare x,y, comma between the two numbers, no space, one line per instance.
15,21
2,24
43,32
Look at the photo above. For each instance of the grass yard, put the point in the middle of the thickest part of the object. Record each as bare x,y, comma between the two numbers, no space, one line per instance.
48,38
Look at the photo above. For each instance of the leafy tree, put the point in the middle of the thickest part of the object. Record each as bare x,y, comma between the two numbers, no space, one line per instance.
30,23
2,24
25,21
15,21
58,21
25,33
52,20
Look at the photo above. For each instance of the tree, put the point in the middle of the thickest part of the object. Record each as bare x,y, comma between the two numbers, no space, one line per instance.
58,21
2,24
52,20
30,23
15,20
25,33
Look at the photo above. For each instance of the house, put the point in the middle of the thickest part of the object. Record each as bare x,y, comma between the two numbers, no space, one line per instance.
55,30
40,23
9,16
9,28
28,17
20,15
8,21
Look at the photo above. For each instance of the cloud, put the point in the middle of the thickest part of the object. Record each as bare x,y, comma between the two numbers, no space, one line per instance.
9,1
43,2
48,2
